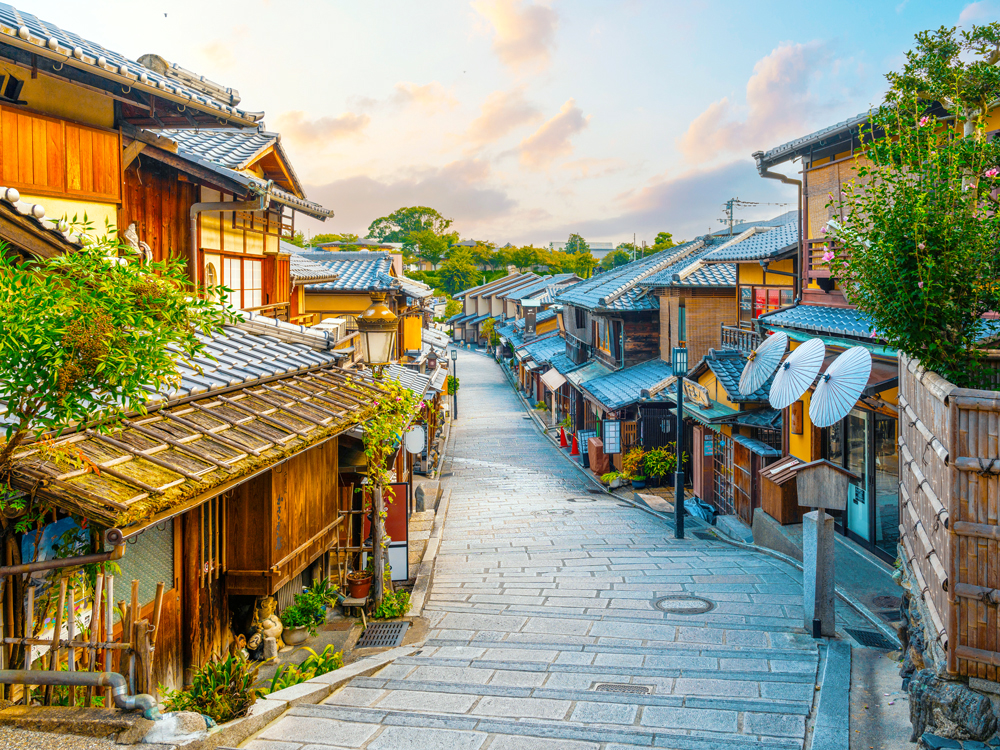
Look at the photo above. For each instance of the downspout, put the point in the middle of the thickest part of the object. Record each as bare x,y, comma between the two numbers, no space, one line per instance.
260,204
768,174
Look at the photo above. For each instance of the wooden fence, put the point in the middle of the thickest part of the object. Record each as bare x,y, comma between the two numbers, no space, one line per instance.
949,453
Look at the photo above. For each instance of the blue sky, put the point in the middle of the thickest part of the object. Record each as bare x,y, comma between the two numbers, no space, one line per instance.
524,120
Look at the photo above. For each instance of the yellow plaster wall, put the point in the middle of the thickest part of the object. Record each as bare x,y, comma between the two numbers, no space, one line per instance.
752,273
715,391
346,304
546,326
412,338
800,446
56,98
97,213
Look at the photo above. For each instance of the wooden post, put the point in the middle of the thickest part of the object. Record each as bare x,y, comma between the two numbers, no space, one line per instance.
56,632
109,625
71,651
143,655
157,608
378,554
95,628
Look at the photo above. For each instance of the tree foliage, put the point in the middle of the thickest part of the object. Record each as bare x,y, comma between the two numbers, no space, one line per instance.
576,244
615,259
584,265
85,337
452,307
525,257
458,272
401,223
429,245
663,241
919,230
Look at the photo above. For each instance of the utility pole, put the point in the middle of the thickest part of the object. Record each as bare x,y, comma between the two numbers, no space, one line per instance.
679,470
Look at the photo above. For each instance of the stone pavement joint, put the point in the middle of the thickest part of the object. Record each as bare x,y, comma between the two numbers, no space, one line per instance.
533,602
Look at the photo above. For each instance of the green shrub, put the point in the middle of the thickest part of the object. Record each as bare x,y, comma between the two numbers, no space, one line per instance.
313,666
221,689
394,604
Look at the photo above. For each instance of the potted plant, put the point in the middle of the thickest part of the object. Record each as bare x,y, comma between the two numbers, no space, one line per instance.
632,467
659,463
359,582
613,479
298,624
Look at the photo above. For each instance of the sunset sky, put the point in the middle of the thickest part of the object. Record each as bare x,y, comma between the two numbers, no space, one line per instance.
524,121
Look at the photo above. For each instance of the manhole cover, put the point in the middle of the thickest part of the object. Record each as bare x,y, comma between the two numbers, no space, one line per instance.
621,687
886,602
551,512
581,499
684,604
383,635
871,639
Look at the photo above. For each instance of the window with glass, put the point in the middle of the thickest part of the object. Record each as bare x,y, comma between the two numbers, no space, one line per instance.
232,279
252,285
760,300
681,325
722,448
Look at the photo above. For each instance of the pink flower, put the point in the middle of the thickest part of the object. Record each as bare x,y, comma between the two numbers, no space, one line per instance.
827,256
925,120
921,246
920,285
822,229
873,334
992,172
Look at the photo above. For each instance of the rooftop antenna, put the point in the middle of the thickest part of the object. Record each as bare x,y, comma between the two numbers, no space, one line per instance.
730,206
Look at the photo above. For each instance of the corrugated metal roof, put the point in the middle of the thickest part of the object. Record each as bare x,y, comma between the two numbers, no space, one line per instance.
763,245
623,387
587,372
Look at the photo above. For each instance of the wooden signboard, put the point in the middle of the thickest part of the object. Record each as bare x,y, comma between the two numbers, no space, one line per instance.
696,393
795,418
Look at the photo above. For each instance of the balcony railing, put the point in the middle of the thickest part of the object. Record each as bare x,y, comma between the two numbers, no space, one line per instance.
742,339
277,310
816,267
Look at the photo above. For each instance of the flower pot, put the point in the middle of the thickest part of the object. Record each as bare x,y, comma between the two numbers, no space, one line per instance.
638,484
359,589
294,636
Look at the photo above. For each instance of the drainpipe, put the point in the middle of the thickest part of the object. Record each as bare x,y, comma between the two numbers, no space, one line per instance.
113,680
768,174
260,204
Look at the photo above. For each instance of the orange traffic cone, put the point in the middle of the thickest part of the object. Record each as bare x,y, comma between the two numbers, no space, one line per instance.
576,448
562,438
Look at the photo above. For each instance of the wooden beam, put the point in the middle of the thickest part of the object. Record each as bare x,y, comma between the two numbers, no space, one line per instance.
130,152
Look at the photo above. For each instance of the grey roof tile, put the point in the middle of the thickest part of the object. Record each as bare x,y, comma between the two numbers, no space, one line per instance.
764,245
727,366
365,272
670,274
835,321
623,387
756,446
543,350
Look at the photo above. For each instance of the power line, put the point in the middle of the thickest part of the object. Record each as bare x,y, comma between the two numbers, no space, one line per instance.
730,206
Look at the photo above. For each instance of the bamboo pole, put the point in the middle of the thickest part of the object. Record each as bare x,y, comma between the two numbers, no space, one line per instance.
95,628
109,624
157,608
56,633
70,650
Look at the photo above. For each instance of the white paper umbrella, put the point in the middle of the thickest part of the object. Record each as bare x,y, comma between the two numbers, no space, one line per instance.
762,363
797,373
840,386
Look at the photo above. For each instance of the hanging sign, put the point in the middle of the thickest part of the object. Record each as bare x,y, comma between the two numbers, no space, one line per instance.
415,439
696,393
612,436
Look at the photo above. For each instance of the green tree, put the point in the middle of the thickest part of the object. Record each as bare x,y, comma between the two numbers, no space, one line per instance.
585,264
452,307
614,260
458,272
321,239
499,258
482,253
663,241
921,223
524,257
298,239
576,244
429,246
487,330
85,338
401,223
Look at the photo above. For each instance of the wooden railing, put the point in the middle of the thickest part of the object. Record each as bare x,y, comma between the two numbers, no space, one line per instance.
305,319
278,310
816,267
351,340
742,339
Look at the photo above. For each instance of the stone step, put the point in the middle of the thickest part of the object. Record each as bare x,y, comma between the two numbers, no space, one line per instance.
756,705
664,727
605,670
672,649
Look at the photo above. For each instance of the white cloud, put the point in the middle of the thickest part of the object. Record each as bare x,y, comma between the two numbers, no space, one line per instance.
982,11
524,32
298,128
502,112
430,96
779,100
552,139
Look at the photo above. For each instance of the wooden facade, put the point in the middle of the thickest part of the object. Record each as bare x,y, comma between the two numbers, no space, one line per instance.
157,199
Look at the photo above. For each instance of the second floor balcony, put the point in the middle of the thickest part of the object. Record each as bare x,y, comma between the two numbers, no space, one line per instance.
742,339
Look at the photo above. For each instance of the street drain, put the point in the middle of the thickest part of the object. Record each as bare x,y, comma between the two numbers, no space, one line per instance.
621,687
871,639
383,635
551,512
684,604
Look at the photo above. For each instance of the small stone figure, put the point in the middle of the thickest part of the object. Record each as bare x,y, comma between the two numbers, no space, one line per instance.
267,618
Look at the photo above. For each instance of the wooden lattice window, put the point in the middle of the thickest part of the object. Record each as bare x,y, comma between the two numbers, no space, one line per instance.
213,538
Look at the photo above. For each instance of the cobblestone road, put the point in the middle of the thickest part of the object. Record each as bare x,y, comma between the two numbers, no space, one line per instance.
545,633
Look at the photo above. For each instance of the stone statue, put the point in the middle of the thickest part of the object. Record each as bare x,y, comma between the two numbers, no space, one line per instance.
132,240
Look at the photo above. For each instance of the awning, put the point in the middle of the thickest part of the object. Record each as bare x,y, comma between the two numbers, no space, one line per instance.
756,446
553,380
532,366
715,414
589,371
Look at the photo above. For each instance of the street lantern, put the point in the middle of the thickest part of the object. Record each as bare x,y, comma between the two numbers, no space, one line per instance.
432,360
377,325
454,354
454,374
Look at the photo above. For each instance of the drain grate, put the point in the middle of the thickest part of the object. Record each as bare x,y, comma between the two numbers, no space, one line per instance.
383,635
886,602
621,687
871,639
552,512
684,604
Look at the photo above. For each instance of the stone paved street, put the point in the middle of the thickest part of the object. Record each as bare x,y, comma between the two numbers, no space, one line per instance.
544,632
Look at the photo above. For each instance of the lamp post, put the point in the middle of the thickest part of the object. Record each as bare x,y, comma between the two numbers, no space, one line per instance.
454,374
679,470
377,325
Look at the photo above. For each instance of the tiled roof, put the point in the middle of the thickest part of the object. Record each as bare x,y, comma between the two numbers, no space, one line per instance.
842,131
589,371
763,245
530,291
563,364
539,318
236,149
34,213
365,272
786,218
686,262
727,366
543,350
756,446
623,387
305,271
835,321
715,274
414,288
618,289
504,282
191,145
766,418
408,378
28,32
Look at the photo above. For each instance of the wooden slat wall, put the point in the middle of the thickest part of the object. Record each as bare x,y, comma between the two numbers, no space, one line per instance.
949,486
53,157
159,204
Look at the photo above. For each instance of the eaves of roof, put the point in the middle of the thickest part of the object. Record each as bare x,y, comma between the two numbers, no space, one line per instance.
830,136
623,387
764,244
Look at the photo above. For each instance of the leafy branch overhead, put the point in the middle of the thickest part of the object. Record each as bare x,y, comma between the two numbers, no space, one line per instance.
916,233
